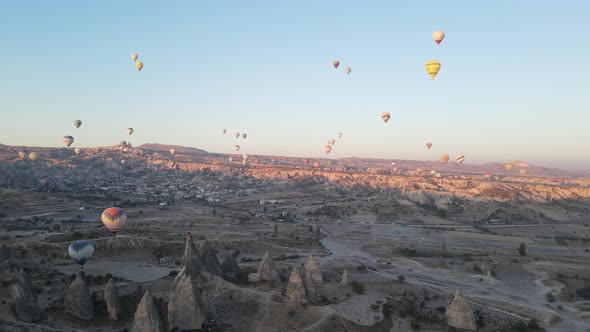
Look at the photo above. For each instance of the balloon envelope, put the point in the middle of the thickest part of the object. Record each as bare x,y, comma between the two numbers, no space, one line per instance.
236,134
428,145
133,56
244,136
130,131
340,135
438,36
114,219
327,149
508,167
385,116
22,154
81,251
172,151
348,70
336,63
77,123
33,156
460,158
68,140
77,151
432,67
444,158
223,131
138,65
331,141
237,147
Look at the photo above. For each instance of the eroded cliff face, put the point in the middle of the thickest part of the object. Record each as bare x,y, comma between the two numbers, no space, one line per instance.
466,187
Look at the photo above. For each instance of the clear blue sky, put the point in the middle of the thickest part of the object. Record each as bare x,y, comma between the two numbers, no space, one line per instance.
513,83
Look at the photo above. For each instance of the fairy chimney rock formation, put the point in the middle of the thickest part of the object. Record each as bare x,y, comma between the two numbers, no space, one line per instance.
459,314
111,298
191,260
230,267
185,309
77,300
209,259
266,270
295,288
313,269
147,318
344,280
24,297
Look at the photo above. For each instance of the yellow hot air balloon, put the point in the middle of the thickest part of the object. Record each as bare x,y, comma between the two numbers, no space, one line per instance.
335,63
523,171
133,56
347,70
138,65
385,116
432,67
508,167
33,156
114,219
444,158
438,36
327,149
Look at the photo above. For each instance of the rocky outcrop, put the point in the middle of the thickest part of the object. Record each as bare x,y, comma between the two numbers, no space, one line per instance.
344,280
24,298
77,300
147,318
209,259
313,269
230,267
111,298
185,309
191,260
208,307
459,314
4,253
310,288
295,288
266,270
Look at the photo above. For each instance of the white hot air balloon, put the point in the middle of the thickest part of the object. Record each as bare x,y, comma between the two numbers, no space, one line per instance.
327,149
438,36
236,134
339,135
331,141
237,148
77,151
223,131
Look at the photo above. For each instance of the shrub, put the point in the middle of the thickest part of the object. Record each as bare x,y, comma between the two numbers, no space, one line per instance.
357,287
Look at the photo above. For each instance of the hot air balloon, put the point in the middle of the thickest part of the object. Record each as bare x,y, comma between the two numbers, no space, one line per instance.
460,158
244,156
33,156
231,159
522,171
438,36
347,70
339,135
77,123
433,172
244,136
428,145
393,163
335,63
173,151
68,140
438,175
444,158
133,56
487,175
237,148
331,141
244,162
327,149
22,154
130,131
123,161
114,219
432,67
316,164
385,116
508,167
223,131
306,162
138,65
236,134
81,251
77,151
419,171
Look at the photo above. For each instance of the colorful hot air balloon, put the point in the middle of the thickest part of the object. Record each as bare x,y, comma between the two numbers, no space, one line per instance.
244,156
438,175
316,164
133,56
244,136
327,149
237,148
114,219
522,171
22,154
68,140
444,158
433,172
138,65
335,63
432,67
223,131
419,171
385,116
236,134
393,163
331,141
77,123
77,151
438,36
508,167
231,159
339,135
428,145
130,131
33,156
460,158
347,70
173,152
306,162
487,175
81,251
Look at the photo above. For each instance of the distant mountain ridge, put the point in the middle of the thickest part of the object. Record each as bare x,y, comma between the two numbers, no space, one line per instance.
165,148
